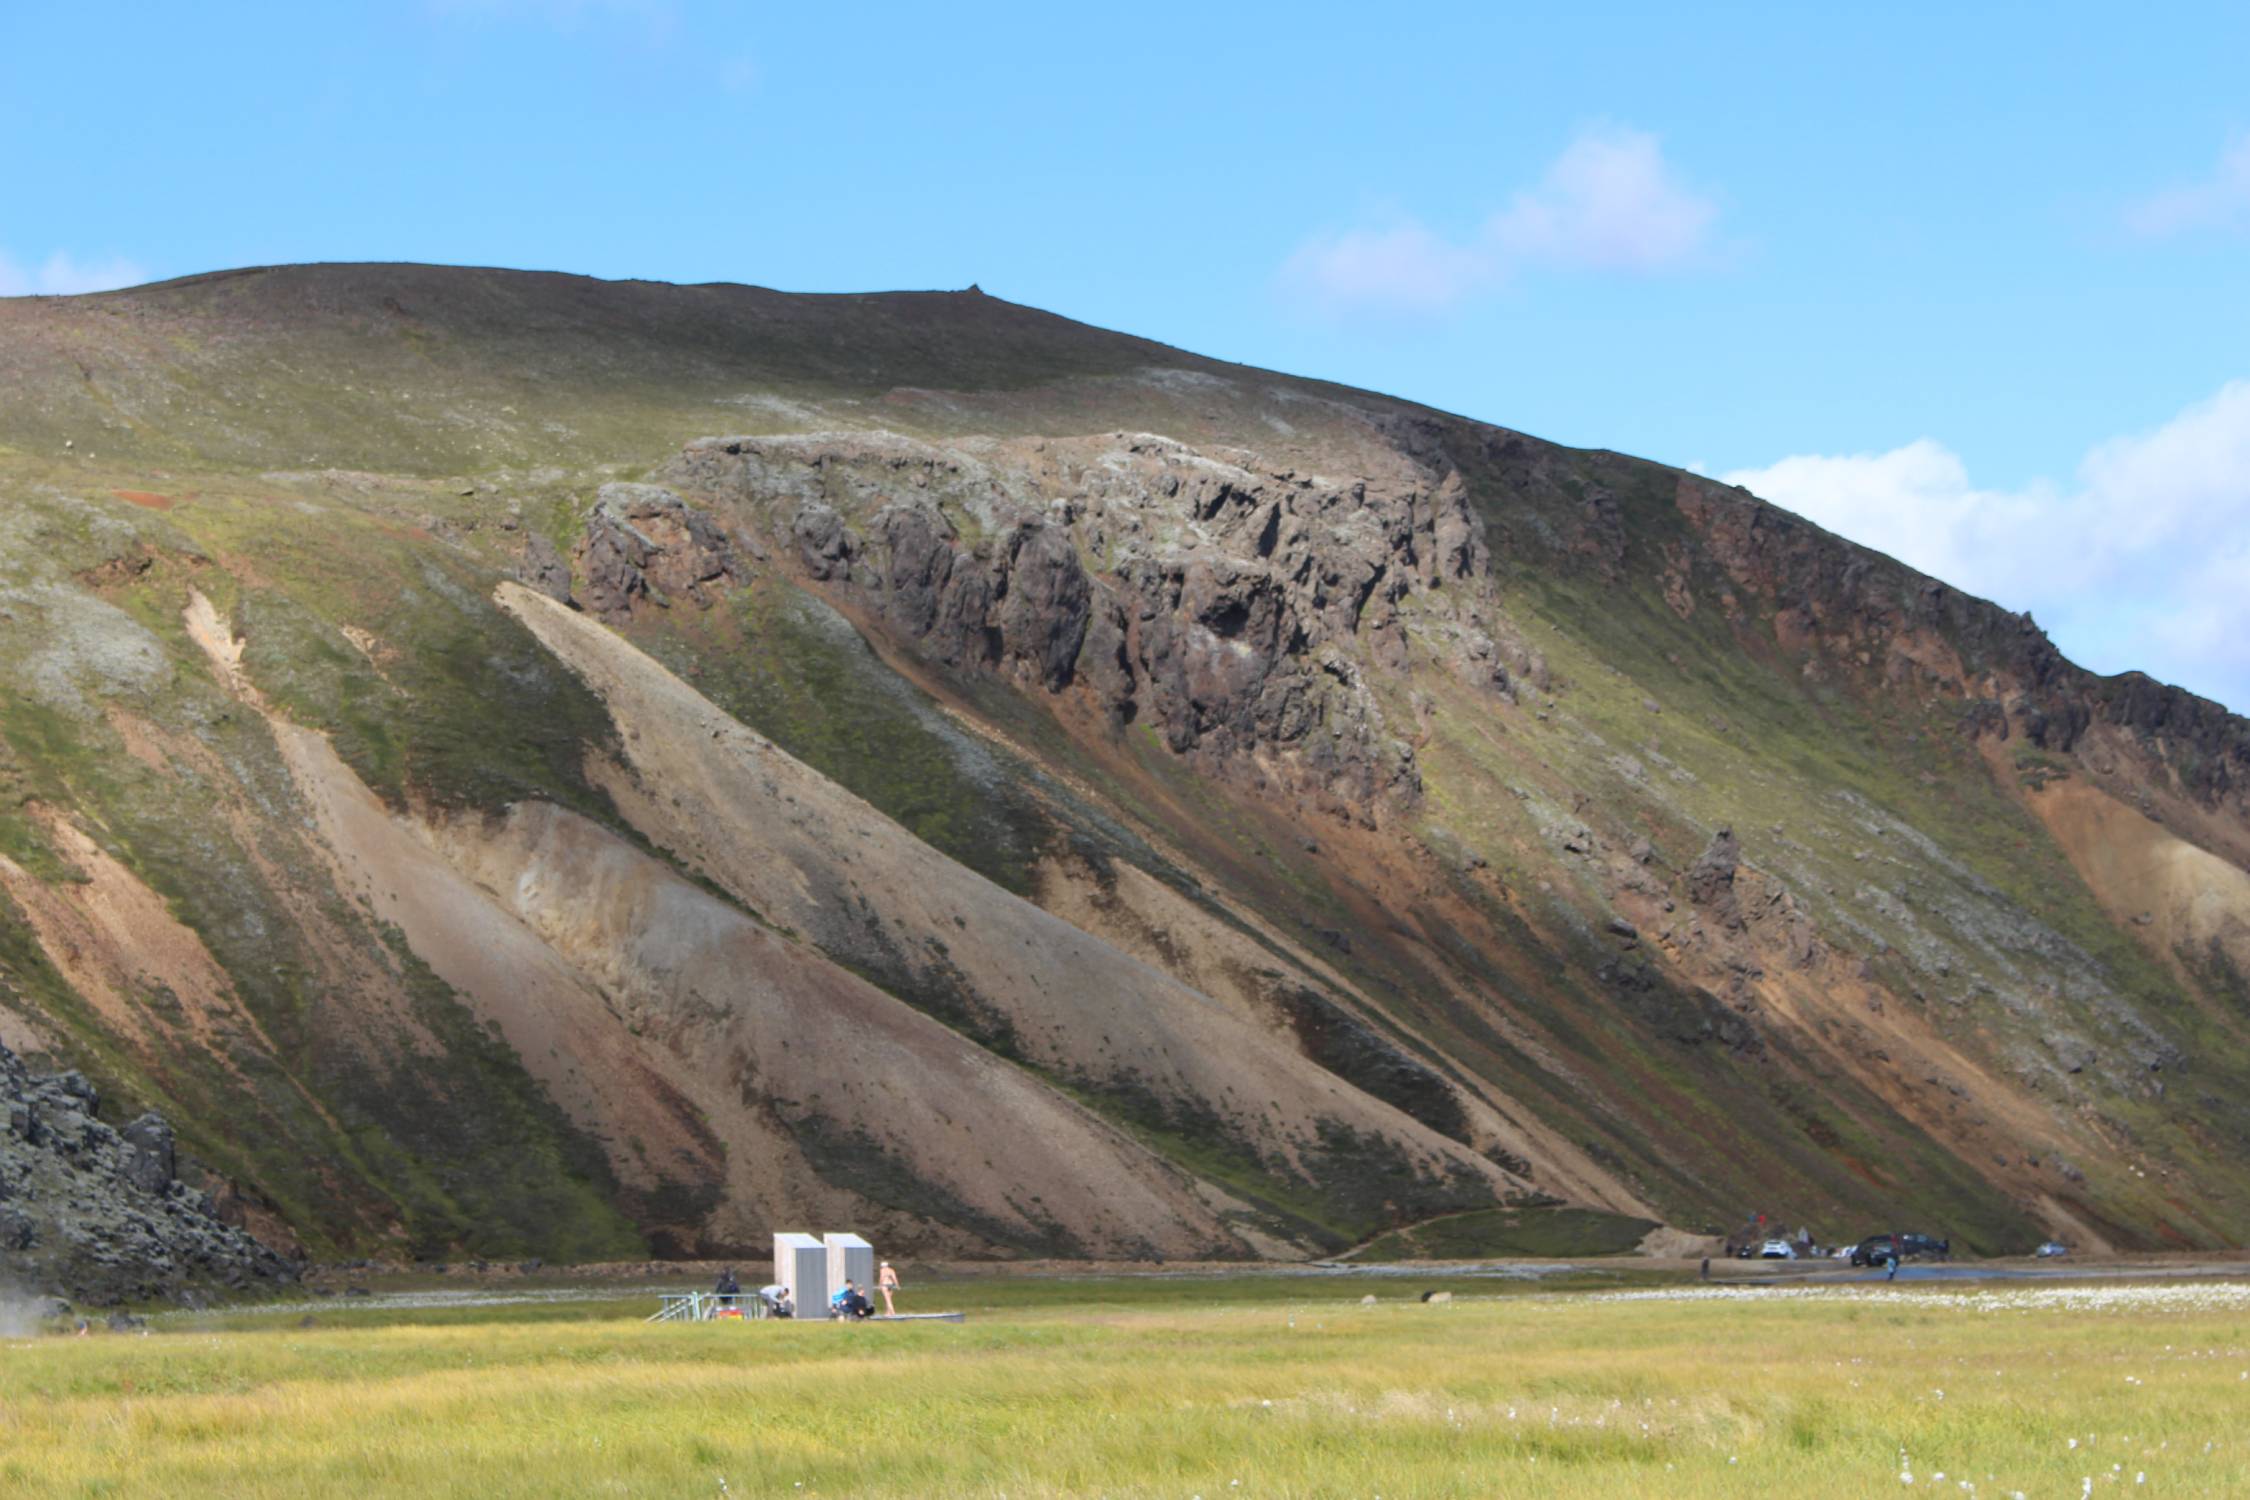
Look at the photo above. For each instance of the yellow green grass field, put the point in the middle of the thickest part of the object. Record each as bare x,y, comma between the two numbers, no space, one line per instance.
1171,1389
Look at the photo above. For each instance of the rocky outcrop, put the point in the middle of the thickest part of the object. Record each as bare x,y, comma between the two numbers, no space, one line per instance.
1023,600
1045,601
1230,609
2208,745
644,544
544,568
99,1215
1710,880
1852,606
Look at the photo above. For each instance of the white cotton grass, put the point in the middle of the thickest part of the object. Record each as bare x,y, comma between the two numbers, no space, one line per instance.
2132,1297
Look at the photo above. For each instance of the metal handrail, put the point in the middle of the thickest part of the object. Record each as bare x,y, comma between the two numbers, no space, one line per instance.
699,1307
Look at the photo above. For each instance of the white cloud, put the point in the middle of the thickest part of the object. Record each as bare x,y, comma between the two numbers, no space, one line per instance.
1915,503
2219,201
2142,562
63,275
2194,466
1609,202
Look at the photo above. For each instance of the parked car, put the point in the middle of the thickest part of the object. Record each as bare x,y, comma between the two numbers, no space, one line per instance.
1777,1250
2052,1249
1880,1249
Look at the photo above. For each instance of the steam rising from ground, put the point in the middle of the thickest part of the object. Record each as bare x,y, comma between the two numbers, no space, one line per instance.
21,1316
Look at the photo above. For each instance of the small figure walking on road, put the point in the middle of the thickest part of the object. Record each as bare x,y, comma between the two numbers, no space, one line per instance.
886,1282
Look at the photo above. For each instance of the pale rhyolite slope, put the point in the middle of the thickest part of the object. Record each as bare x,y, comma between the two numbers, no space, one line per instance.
702,1051
800,851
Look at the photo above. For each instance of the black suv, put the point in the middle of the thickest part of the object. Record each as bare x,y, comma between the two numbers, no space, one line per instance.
1879,1250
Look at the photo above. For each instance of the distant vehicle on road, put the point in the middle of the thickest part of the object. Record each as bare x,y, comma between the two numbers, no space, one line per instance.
2052,1249
1777,1250
1882,1249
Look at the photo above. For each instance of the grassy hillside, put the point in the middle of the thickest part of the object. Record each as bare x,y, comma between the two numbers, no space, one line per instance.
1472,899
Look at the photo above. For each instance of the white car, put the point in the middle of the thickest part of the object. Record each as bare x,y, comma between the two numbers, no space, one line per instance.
1777,1250
2052,1249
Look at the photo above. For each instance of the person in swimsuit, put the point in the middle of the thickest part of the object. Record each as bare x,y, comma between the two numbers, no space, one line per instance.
886,1282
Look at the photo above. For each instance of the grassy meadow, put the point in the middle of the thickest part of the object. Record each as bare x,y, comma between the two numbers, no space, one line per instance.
1168,1387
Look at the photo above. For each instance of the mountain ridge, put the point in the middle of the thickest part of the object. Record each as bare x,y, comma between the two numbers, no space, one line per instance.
1663,851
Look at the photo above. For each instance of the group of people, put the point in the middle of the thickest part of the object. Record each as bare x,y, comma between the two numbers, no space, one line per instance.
850,1300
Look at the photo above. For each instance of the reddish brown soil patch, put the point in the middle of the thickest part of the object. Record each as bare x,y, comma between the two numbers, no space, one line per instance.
145,499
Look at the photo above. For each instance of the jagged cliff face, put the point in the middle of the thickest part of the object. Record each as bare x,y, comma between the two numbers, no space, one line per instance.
615,766
102,1214
1231,611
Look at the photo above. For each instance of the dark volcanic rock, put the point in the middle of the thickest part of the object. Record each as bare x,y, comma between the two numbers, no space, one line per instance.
823,541
1043,618
99,1215
543,568
920,542
151,1162
1710,879
1833,597
1229,609
645,543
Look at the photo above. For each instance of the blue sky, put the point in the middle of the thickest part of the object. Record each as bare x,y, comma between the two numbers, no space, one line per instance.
1970,284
